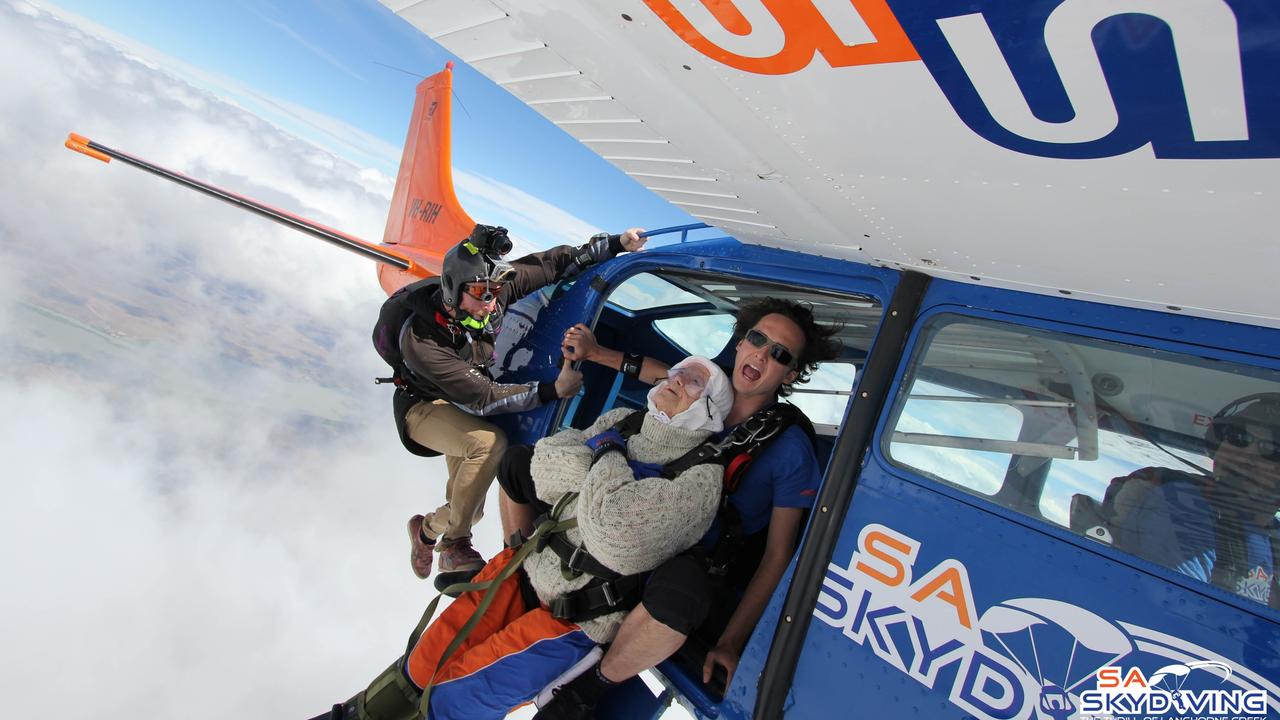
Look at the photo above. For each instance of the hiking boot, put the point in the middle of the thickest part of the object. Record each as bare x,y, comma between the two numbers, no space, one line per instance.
566,704
421,551
459,562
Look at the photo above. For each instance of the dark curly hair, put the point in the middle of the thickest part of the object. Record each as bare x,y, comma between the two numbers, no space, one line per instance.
819,342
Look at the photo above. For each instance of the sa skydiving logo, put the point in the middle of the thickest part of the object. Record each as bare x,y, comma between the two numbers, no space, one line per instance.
1023,658
1055,78
1127,691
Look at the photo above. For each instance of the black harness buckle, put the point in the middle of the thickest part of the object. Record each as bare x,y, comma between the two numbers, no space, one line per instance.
759,428
609,596
574,558
561,608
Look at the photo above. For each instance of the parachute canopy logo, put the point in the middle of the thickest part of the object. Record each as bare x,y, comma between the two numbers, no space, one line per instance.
1023,658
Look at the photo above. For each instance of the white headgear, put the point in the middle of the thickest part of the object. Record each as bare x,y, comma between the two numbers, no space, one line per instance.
707,412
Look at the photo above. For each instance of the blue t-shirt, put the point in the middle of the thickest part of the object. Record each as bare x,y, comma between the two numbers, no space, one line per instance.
784,475
1174,526
1256,584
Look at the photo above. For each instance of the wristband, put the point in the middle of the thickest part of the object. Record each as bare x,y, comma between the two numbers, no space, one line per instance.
631,364
605,443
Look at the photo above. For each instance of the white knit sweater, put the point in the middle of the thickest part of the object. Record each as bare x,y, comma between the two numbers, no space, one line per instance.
630,525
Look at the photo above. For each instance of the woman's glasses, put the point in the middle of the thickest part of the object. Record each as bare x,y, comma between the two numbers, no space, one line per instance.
694,383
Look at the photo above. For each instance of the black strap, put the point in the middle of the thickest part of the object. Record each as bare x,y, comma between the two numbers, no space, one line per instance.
401,402
631,424
631,364
576,560
751,436
728,543
598,597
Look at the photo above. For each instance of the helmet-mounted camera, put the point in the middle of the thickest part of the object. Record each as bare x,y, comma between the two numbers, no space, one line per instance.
477,259
490,240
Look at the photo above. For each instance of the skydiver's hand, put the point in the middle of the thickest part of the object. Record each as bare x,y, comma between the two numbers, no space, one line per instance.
631,240
569,381
579,343
725,657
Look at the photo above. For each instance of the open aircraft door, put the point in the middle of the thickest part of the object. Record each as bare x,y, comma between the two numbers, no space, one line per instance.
952,569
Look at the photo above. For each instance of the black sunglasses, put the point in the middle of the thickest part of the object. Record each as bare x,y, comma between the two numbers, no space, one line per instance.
1239,436
777,351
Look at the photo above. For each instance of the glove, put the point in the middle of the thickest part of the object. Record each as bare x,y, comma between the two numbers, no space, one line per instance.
645,470
605,442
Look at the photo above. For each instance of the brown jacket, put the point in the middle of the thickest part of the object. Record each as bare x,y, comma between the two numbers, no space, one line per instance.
449,362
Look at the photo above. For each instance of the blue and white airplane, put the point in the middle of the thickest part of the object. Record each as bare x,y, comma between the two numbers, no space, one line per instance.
1047,229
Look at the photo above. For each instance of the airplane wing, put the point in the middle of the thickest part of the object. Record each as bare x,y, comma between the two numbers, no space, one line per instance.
1121,151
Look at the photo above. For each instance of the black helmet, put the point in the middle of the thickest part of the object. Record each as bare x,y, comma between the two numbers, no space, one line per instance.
476,259
1259,408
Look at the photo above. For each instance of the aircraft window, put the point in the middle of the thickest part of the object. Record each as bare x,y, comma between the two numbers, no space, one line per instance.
1127,454
644,291
1167,456
704,335
824,398
675,313
934,413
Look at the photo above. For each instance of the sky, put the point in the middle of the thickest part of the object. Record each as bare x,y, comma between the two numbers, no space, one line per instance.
203,505
342,75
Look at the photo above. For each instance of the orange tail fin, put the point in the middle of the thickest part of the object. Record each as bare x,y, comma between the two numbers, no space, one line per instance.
426,218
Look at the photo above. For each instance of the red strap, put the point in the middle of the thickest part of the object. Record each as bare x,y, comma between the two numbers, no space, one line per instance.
734,472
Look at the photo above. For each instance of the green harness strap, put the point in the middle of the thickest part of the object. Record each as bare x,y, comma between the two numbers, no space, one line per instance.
547,528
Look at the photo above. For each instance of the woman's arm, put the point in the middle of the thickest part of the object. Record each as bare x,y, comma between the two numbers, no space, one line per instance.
633,525
561,461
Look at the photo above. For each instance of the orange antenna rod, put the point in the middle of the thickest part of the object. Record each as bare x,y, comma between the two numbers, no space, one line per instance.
80,144
387,256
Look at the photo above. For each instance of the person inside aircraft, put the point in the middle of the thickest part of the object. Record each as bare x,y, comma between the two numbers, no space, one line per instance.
444,385
630,496
717,591
1220,529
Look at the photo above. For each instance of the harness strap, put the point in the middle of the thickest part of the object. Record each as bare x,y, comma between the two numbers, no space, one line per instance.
576,560
730,542
630,425
599,597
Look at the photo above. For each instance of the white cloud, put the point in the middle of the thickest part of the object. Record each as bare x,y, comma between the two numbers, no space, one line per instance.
324,130
534,223
170,581
204,499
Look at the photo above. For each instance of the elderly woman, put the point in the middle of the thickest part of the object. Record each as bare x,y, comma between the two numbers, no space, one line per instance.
573,593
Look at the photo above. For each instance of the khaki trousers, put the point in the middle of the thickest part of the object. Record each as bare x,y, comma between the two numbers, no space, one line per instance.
471,449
